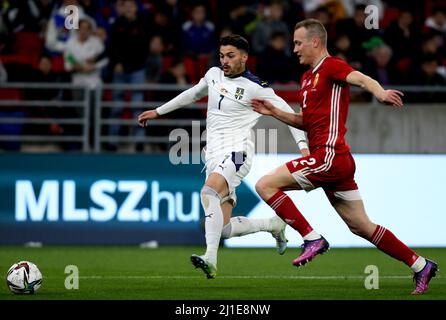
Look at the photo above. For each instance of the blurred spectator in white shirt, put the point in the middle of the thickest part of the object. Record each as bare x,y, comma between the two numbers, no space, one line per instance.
84,55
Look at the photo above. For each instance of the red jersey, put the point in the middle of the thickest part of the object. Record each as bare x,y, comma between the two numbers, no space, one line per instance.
324,98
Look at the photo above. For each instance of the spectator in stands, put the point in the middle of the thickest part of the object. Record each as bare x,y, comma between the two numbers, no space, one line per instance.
167,23
342,49
241,18
428,75
403,37
44,74
326,17
437,21
57,35
154,63
129,40
380,65
84,55
198,33
275,64
176,74
430,44
29,16
351,6
171,8
354,29
436,25
272,21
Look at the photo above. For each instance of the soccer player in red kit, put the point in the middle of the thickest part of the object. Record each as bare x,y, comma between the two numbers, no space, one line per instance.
324,99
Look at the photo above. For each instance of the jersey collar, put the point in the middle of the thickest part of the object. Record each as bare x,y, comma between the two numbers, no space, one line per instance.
241,74
319,64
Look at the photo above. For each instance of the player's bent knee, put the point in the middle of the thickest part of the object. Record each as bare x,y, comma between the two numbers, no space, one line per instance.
207,194
359,230
264,189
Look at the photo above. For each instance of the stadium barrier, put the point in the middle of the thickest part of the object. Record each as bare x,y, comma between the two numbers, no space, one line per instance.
27,104
93,113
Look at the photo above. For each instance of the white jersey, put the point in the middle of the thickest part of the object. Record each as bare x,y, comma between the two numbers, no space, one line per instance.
230,117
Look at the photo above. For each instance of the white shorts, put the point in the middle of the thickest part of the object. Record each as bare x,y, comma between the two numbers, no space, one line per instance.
233,166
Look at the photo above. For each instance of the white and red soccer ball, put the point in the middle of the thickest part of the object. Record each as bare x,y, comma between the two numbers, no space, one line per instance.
24,278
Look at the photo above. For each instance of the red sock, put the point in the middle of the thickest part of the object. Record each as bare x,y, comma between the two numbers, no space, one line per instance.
388,243
286,209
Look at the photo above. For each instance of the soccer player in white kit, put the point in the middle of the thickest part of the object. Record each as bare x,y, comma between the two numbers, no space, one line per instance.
230,146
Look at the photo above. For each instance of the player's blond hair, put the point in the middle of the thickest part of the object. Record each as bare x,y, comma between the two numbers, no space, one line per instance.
315,29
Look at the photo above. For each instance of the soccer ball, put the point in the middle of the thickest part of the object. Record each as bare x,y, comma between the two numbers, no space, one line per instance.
24,278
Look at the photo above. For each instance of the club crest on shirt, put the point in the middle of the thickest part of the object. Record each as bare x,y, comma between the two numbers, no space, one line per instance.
239,93
316,79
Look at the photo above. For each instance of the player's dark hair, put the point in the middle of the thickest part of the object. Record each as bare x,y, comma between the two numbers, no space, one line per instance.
315,29
235,40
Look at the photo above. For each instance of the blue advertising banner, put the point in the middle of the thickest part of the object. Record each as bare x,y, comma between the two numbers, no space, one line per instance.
103,199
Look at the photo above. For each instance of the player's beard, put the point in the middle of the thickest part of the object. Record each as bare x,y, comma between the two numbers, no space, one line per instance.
232,71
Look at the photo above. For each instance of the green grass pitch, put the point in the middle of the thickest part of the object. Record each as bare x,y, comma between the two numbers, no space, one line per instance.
165,273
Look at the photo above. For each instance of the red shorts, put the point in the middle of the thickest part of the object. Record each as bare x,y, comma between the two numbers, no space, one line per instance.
331,171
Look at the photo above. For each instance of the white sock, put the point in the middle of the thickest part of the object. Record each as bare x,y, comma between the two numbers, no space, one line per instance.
213,224
419,264
313,235
240,226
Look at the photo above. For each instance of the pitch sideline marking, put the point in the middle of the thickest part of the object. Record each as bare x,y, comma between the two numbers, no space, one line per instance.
245,277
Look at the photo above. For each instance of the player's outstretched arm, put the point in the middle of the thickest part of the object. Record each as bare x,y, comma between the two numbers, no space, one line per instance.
183,99
390,97
298,135
267,108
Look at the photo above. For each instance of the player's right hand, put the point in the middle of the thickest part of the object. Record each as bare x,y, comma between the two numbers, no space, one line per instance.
145,116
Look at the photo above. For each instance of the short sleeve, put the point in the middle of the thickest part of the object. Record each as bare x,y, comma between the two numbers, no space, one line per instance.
338,69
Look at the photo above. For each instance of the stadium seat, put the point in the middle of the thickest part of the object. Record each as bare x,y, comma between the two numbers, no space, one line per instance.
202,65
191,69
390,14
403,65
251,64
166,63
10,94
58,63
29,46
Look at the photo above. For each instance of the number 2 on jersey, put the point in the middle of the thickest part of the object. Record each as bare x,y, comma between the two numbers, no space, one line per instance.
219,102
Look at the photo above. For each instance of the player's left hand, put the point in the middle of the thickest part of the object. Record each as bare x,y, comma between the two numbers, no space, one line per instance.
392,97
263,107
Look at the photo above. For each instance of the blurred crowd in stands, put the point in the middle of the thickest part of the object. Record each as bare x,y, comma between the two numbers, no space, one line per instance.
176,41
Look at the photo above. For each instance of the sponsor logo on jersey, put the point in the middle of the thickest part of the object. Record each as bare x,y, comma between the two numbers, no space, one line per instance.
239,93
223,90
295,164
